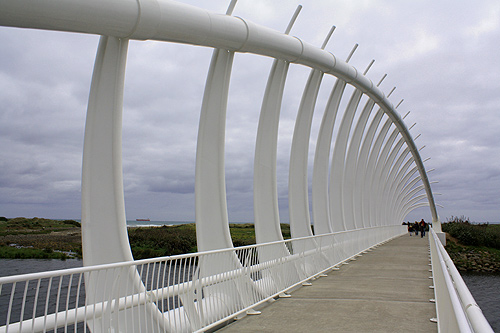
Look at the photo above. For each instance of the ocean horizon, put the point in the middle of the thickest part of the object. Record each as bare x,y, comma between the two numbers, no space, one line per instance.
159,223
135,223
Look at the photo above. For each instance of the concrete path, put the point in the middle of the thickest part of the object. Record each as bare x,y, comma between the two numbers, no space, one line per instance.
385,290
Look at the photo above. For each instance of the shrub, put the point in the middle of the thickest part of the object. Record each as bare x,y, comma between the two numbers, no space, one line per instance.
473,234
72,222
158,242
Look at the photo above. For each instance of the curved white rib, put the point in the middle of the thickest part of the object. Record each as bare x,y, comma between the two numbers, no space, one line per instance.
298,198
383,181
353,154
370,169
360,205
320,201
391,181
338,163
104,232
266,210
212,228
266,213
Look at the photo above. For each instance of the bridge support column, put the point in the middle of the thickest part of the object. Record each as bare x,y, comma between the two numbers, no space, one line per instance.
104,232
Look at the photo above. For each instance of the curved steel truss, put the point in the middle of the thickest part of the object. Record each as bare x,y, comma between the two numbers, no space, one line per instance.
373,178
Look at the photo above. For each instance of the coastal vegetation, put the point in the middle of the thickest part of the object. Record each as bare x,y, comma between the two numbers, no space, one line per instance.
150,242
37,238
473,247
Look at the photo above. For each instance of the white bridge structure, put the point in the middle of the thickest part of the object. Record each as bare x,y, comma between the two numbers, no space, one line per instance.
360,193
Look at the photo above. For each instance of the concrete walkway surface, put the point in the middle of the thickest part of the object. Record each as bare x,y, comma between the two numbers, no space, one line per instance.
385,290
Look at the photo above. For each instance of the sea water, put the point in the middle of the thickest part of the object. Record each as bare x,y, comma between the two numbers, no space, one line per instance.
134,223
484,289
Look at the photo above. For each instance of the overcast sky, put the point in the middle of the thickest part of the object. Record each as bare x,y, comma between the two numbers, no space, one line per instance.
443,56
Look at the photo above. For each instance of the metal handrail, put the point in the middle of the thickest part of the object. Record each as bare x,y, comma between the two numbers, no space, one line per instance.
252,271
451,289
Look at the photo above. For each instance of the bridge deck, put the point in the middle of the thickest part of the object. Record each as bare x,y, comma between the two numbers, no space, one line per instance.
385,290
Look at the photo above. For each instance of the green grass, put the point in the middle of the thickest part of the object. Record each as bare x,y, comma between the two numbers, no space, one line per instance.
10,252
145,242
162,241
33,238
179,239
24,226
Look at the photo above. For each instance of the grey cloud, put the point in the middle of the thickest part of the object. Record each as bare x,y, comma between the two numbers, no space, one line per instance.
440,55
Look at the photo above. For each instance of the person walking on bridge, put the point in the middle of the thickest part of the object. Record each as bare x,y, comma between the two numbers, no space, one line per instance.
423,225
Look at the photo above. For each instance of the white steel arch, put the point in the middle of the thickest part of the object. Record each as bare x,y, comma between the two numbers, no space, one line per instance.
320,202
266,212
367,186
172,21
349,188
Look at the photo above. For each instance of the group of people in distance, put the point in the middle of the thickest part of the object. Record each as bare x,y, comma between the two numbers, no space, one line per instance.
415,227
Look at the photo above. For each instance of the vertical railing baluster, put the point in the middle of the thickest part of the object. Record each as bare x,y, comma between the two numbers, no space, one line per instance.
21,316
35,303
67,302
77,301
10,306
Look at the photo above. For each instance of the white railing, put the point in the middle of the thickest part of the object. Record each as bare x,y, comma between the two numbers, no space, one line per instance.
175,294
456,309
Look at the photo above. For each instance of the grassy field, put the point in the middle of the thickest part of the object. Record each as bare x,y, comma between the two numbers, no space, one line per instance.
472,247
36,225
179,239
39,238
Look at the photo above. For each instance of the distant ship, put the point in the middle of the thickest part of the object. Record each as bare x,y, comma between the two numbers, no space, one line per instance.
142,220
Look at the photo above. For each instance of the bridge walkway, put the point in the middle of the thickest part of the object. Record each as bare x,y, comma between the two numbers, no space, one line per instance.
385,290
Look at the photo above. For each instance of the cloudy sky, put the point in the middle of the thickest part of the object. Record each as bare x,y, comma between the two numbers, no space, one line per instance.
443,56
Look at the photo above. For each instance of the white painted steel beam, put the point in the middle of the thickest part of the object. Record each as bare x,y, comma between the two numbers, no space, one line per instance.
368,196
401,188
377,177
400,200
320,196
176,22
382,188
338,164
212,226
360,202
298,197
391,179
104,232
266,211
298,189
369,184
353,155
